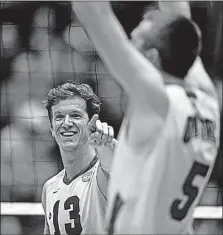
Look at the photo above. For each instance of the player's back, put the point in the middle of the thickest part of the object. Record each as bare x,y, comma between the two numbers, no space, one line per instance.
75,207
155,190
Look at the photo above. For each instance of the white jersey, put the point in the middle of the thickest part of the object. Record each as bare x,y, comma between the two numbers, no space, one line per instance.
77,207
155,190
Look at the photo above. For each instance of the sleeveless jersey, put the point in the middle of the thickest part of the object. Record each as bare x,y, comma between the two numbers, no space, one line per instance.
155,190
77,207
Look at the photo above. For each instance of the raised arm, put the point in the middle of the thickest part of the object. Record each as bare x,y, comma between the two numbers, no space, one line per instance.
197,76
179,7
131,69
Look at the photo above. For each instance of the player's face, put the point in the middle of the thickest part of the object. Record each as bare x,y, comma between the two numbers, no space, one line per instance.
69,123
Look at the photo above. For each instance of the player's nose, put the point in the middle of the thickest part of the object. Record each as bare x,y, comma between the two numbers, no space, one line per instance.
67,122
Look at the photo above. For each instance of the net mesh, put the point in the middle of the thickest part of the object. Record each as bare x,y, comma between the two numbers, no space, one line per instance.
43,45
52,54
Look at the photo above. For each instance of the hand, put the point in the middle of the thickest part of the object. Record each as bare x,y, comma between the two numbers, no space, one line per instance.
90,5
101,137
86,10
179,7
100,133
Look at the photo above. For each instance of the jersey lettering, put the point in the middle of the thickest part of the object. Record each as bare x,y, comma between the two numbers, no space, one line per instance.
74,215
178,210
71,228
198,127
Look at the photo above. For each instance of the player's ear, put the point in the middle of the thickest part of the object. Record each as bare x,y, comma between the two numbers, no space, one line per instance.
153,56
52,131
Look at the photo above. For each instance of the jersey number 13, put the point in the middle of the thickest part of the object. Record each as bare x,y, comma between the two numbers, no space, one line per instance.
74,215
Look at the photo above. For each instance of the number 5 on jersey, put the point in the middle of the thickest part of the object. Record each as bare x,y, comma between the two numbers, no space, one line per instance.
70,203
179,212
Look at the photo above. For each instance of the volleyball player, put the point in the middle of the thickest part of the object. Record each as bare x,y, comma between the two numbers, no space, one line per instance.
74,200
170,134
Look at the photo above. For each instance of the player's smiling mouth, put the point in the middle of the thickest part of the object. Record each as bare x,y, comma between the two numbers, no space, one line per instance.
68,133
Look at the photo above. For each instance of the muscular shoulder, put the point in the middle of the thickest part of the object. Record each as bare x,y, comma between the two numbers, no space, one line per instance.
184,101
50,182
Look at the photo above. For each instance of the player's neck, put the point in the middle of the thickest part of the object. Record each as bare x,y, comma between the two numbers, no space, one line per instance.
76,161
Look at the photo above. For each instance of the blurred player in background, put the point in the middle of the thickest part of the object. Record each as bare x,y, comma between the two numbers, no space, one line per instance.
170,134
74,200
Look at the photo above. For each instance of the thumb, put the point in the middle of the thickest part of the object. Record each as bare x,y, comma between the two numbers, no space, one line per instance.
92,122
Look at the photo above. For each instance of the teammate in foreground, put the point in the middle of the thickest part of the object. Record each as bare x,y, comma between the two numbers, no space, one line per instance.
74,200
170,134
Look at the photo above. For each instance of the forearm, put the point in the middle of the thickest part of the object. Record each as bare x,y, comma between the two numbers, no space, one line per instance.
128,66
105,155
109,43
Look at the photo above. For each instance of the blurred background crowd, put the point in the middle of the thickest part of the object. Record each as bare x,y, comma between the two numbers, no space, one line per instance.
43,45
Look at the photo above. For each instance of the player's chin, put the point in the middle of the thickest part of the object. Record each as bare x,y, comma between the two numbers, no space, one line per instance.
69,146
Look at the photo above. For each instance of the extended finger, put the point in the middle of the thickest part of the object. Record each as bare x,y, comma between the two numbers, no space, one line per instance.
92,122
99,127
105,131
110,134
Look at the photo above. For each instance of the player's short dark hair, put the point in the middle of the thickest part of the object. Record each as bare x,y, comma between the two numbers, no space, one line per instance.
67,91
177,39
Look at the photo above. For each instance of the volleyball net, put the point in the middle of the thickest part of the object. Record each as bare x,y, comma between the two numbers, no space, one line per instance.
43,45
35,209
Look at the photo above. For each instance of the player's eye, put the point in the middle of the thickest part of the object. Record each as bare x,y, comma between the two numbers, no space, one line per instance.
59,117
75,115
